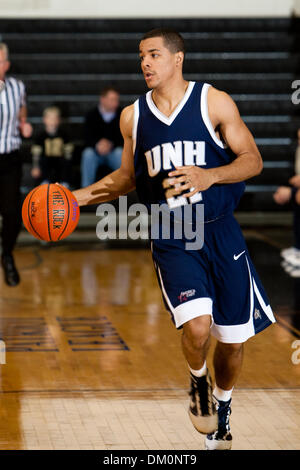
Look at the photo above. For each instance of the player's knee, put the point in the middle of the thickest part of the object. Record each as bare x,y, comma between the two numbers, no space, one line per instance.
197,331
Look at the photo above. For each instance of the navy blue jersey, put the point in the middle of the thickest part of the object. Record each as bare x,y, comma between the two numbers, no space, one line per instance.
186,137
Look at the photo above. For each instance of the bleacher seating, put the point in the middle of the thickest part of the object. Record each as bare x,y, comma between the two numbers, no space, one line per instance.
67,62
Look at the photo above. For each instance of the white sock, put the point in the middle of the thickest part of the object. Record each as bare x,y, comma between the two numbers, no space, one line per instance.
223,395
200,372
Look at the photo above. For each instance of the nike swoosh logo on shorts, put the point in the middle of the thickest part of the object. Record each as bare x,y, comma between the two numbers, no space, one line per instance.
235,257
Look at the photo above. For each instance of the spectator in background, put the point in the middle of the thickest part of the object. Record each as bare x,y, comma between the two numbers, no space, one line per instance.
52,151
13,126
284,195
103,139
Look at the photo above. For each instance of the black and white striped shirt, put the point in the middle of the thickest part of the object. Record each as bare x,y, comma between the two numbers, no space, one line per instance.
12,98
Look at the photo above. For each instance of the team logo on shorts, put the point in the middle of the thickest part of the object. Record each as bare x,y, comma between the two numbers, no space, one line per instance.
184,295
257,314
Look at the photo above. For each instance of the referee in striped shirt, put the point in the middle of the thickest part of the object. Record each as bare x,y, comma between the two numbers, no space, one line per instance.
13,125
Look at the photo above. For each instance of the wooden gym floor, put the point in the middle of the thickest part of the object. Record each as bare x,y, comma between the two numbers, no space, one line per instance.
94,362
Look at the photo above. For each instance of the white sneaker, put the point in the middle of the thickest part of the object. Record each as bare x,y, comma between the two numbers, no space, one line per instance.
221,439
295,272
287,251
202,409
287,266
293,258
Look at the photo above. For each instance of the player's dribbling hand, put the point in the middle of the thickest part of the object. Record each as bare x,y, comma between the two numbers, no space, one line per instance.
193,178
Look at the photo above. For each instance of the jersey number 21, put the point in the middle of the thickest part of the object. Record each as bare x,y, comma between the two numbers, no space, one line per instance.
175,200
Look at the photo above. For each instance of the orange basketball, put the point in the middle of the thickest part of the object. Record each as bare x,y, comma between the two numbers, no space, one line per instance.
50,212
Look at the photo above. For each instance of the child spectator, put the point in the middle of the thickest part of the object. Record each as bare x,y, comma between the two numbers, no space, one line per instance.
52,151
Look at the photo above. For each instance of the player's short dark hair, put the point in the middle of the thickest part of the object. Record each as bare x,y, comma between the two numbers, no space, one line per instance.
104,91
172,39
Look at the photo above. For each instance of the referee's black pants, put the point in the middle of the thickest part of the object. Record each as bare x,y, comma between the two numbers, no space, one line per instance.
10,199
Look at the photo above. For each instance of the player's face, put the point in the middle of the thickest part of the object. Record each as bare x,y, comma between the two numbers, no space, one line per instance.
157,62
4,64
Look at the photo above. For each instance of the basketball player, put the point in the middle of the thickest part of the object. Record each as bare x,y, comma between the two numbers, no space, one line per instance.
191,135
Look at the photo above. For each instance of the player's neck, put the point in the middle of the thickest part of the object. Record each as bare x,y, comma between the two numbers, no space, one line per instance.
167,97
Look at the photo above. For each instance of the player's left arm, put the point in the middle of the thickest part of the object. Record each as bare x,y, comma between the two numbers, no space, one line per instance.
224,115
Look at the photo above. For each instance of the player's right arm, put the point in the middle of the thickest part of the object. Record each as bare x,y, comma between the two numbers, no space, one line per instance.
120,181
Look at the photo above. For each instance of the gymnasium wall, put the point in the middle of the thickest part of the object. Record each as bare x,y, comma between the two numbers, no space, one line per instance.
152,9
